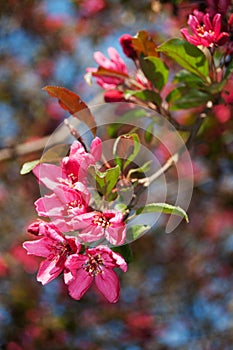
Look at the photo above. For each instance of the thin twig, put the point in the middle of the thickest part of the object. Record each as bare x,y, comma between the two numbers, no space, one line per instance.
174,158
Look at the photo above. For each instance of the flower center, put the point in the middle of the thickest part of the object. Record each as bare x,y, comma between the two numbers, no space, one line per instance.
74,204
94,265
202,31
101,220
59,249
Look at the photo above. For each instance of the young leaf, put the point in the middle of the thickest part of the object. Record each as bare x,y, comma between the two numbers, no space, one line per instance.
144,95
143,169
187,56
27,167
105,181
162,208
126,148
71,102
155,70
149,132
137,230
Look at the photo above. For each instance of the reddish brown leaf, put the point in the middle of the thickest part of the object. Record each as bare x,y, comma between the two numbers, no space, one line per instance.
143,43
109,73
71,102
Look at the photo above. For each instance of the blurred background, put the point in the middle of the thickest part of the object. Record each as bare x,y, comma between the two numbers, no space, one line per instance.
178,291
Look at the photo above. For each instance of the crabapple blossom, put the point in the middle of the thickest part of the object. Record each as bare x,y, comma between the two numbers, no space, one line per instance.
96,265
204,31
95,225
114,64
55,248
62,200
72,168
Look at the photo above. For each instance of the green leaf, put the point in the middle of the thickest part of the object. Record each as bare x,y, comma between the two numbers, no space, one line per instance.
155,70
125,251
162,208
187,56
122,207
189,79
229,70
143,169
105,181
181,98
149,132
144,95
136,231
27,167
126,148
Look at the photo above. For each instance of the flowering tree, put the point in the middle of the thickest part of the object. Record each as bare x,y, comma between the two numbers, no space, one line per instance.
87,235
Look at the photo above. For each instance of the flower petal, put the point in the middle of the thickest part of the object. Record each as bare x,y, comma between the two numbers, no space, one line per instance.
191,39
75,262
48,174
193,23
108,284
39,247
96,148
48,270
217,24
49,206
78,286
222,38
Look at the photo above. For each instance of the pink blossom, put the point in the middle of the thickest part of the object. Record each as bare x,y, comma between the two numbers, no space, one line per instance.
55,248
97,265
127,46
114,64
94,225
72,168
62,200
207,34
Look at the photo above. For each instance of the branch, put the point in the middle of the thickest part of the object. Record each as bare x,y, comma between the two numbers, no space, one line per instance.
23,149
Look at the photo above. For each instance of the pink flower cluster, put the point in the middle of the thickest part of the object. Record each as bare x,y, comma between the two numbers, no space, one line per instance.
74,222
112,73
205,31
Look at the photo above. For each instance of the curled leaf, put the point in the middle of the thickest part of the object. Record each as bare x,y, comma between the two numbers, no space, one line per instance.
71,102
126,148
28,166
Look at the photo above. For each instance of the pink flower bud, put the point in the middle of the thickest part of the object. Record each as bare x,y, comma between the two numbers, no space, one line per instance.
127,46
